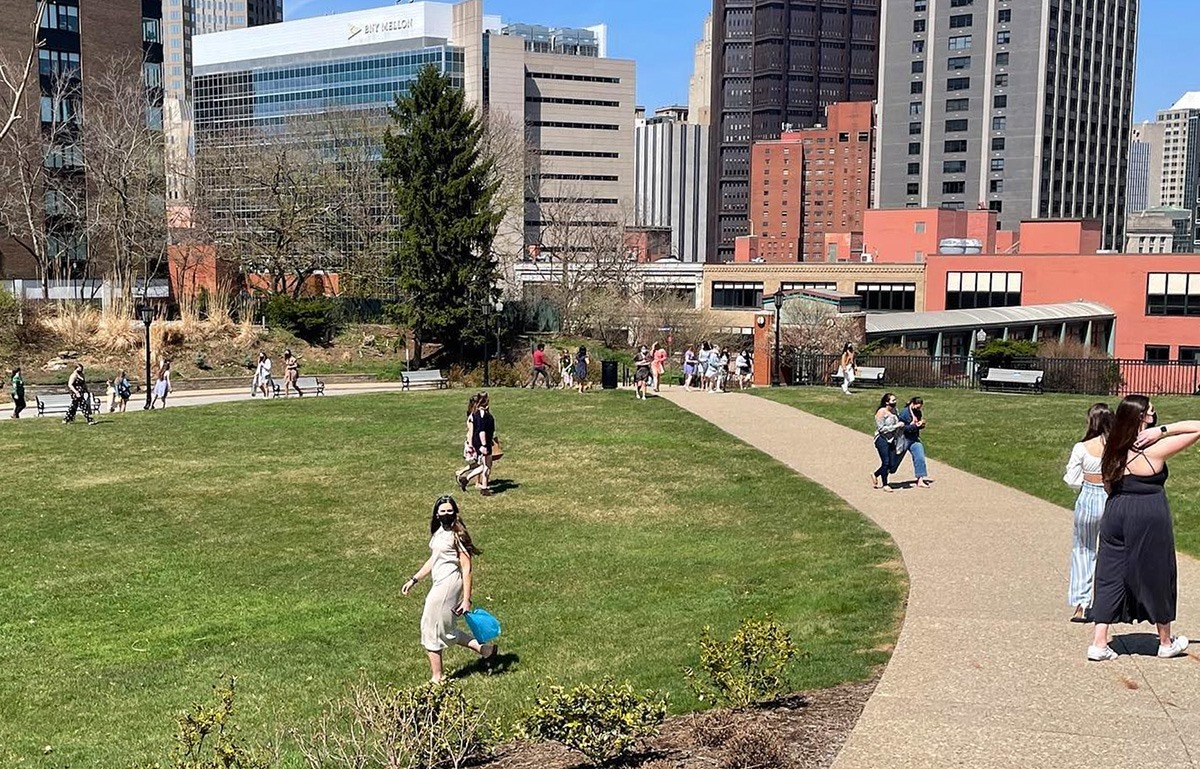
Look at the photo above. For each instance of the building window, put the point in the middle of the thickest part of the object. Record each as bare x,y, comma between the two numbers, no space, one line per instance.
1158,353
996,185
968,290
737,296
997,164
1173,293
999,123
917,87
956,63
150,32
961,21
996,205
919,228
954,188
956,125
1003,37
956,145
864,136
1004,16
1002,59
998,144
1189,355
914,129
1002,80
958,83
913,189
791,286
914,108
919,6
959,43
53,63
914,148
914,169
958,105
887,297
999,101
919,25
954,167
61,16
961,3
918,46
918,66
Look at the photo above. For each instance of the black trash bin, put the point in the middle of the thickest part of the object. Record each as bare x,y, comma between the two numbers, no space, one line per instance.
608,374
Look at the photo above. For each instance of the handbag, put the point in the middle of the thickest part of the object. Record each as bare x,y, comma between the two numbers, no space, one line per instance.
902,443
497,449
483,625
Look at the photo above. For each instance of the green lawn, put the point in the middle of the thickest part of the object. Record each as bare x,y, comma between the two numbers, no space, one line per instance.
1021,441
145,557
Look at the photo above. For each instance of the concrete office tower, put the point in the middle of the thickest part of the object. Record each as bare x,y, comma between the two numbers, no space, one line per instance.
1144,188
1174,179
80,44
777,63
811,184
672,179
700,85
1021,107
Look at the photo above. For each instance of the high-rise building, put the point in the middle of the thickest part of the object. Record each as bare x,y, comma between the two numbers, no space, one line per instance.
1144,187
1173,179
1024,108
80,43
812,183
700,85
671,173
778,63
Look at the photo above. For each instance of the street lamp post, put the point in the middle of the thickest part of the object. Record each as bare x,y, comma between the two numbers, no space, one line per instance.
488,310
775,370
146,313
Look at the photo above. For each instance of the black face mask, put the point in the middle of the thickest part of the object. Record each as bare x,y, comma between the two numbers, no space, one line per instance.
447,520
1153,421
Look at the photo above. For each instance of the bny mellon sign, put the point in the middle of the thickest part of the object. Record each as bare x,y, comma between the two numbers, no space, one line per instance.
376,28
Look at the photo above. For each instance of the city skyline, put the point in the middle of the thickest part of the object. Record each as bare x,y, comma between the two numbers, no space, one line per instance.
661,37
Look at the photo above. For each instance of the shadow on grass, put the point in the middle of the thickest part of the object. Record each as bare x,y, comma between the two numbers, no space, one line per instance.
501,485
499,665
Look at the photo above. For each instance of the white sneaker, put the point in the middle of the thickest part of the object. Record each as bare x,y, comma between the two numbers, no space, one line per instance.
1177,648
1101,654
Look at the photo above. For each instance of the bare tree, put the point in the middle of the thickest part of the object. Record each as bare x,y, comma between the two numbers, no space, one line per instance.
514,161
14,77
812,327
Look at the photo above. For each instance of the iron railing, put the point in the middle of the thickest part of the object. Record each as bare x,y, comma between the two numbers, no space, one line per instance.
1093,376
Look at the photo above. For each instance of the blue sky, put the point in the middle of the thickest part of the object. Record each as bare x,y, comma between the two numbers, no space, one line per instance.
661,36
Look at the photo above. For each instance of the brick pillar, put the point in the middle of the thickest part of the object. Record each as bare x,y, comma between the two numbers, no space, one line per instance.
764,348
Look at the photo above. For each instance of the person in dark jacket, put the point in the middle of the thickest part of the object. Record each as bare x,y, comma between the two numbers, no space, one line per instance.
913,417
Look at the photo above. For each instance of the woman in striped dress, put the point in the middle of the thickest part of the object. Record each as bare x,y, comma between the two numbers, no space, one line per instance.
1083,473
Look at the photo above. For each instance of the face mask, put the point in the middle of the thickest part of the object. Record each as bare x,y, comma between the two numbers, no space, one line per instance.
447,520
1153,420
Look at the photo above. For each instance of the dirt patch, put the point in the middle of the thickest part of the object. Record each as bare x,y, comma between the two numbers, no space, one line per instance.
808,729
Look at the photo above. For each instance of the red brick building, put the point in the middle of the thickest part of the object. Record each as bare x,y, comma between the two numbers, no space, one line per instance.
809,183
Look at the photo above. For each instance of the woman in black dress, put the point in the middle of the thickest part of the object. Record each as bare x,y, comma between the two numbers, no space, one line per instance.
1135,567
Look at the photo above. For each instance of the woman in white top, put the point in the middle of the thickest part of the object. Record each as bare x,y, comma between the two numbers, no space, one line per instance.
451,551
1083,473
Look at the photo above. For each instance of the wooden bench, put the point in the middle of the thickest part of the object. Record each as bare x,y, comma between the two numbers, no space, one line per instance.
424,377
306,384
60,403
866,375
1012,379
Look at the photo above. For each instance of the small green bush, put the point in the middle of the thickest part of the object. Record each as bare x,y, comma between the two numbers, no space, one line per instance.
603,722
426,727
207,738
1000,353
750,667
316,321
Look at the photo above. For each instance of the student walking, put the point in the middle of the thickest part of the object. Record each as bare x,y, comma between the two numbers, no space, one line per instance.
124,390
745,371
452,580
483,436
565,378
887,427
1083,473
539,367
291,373
262,376
1136,573
847,368
641,372
689,367
18,393
913,418
581,368
81,398
466,474
162,388
659,365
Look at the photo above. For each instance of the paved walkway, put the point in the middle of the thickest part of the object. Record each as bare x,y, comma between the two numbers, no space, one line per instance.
987,672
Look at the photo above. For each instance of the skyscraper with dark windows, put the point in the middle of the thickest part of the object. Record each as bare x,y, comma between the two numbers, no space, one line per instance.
777,64
1024,108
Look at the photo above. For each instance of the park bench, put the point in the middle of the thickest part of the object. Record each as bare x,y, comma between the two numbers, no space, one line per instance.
866,375
1012,379
423,377
306,384
59,404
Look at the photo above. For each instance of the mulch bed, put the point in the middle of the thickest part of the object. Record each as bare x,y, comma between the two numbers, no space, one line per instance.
801,731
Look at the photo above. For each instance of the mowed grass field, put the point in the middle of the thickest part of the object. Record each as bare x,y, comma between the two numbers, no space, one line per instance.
1021,441
143,558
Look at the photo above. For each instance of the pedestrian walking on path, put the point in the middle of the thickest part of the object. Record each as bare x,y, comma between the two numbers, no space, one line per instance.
124,390
18,393
581,369
1083,473
909,441
483,437
641,372
162,388
847,368
659,356
262,376
539,367
1136,572
689,367
466,474
291,374
452,579
81,398
887,428
565,378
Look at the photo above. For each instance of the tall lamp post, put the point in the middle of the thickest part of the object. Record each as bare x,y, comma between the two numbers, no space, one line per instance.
488,310
776,368
146,313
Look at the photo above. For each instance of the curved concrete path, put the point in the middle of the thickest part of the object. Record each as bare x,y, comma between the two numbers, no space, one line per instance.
987,672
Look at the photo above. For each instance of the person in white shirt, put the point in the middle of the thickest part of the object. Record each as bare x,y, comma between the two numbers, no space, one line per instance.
1083,473
263,376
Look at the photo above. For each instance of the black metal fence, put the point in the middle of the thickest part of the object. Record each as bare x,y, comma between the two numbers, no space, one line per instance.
1100,376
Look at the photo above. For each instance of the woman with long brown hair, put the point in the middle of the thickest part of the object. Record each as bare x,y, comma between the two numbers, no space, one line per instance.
1135,567
450,560
1083,473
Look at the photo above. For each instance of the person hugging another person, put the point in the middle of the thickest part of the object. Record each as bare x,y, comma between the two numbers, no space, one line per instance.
1084,473
887,428
913,418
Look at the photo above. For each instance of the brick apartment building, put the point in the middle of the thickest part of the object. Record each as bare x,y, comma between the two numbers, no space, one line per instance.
808,184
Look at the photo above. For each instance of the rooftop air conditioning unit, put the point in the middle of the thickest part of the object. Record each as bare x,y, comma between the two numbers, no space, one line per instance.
866,258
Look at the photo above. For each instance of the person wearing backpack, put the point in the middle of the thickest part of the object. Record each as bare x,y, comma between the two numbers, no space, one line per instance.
124,390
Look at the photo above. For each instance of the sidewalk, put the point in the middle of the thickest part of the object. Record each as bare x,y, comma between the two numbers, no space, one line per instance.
987,672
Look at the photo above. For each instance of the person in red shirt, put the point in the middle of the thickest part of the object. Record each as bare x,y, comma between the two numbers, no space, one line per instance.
539,367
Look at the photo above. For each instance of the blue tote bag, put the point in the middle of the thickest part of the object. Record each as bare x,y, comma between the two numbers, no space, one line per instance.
483,625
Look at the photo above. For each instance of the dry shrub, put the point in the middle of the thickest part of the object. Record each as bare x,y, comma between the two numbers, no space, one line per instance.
713,728
167,335
73,325
1071,348
755,747
249,335
118,332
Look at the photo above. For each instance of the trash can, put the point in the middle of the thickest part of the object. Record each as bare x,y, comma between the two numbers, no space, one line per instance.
608,374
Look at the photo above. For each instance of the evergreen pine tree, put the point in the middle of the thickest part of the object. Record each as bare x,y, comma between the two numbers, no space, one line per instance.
444,187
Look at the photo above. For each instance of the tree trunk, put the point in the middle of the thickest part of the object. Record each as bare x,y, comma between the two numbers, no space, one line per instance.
417,360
